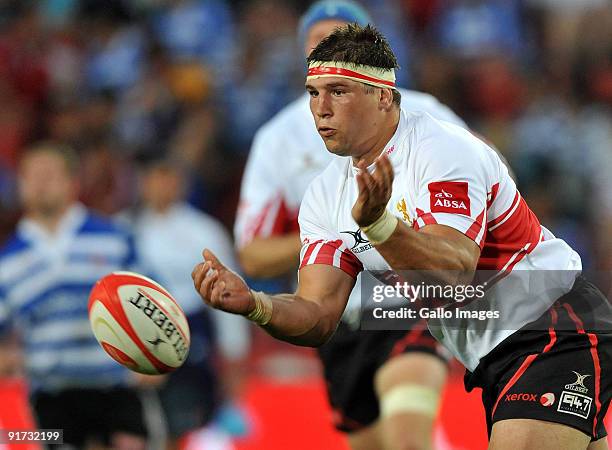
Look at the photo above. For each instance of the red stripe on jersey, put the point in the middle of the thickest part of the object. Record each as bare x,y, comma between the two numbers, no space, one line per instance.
258,222
429,219
415,222
281,219
264,225
503,215
492,195
596,365
426,217
507,268
309,251
326,253
350,264
509,239
476,228
528,361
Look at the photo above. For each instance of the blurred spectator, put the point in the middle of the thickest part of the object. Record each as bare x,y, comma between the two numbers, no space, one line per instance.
23,81
267,73
116,47
46,272
170,235
389,19
107,180
22,55
479,27
198,30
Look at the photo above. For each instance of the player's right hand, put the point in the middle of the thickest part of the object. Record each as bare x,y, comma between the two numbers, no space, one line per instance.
221,288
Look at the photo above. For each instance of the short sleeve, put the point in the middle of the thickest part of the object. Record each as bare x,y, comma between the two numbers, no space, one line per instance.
319,244
451,180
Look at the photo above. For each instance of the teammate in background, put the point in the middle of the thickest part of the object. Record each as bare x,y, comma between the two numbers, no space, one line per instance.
168,232
364,370
47,269
558,343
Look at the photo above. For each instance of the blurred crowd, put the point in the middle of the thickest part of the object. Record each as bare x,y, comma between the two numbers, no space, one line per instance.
124,82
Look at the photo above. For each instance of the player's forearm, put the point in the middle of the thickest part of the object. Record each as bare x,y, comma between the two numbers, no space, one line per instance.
299,321
407,249
270,257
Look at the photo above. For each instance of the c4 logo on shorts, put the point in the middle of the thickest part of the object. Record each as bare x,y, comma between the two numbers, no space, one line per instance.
575,404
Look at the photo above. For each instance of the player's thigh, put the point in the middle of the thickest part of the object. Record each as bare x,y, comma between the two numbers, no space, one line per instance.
414,367
528,434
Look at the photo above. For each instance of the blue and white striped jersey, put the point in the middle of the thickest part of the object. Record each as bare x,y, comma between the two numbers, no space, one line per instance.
45,280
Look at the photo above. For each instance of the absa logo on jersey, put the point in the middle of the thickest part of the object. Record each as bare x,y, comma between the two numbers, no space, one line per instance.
449,197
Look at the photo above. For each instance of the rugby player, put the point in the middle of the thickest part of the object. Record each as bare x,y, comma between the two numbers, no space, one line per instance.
546,375
364,370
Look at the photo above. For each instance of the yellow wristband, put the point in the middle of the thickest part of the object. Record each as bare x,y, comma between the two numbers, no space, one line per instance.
262,313
381,229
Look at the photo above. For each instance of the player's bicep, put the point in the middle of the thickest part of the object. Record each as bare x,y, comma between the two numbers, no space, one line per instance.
328,286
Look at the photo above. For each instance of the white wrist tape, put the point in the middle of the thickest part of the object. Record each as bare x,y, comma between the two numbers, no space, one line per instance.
381,229
262,313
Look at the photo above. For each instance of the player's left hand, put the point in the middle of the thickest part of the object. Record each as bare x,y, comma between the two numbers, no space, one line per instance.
374,191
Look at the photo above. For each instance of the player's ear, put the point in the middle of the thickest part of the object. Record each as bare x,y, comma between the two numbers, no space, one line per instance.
386,98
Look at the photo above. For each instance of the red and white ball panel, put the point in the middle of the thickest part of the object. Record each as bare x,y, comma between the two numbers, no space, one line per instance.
138,323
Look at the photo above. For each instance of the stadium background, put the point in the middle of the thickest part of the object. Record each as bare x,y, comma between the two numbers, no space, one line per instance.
126,81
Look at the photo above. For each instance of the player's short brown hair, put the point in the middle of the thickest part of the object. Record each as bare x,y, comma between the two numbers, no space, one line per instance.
358,45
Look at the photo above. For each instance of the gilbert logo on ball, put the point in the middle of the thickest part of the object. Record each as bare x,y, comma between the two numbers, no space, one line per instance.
138,323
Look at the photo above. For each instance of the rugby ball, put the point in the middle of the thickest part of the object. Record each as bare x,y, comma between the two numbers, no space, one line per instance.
138,323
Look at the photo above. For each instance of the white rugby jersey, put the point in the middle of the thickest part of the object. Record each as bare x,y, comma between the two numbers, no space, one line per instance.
287,154
445,175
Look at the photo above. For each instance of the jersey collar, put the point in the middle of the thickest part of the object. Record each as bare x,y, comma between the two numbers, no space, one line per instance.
69,224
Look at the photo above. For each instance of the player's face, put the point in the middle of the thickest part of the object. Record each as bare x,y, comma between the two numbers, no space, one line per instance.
46,186
346,116
319,31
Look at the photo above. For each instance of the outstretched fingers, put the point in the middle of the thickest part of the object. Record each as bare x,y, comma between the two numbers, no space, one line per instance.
199,272
212,259
384,173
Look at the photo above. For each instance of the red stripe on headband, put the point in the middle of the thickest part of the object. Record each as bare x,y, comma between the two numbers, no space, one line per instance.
322,70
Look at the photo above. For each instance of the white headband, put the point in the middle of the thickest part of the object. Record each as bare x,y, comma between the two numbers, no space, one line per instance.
374,76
